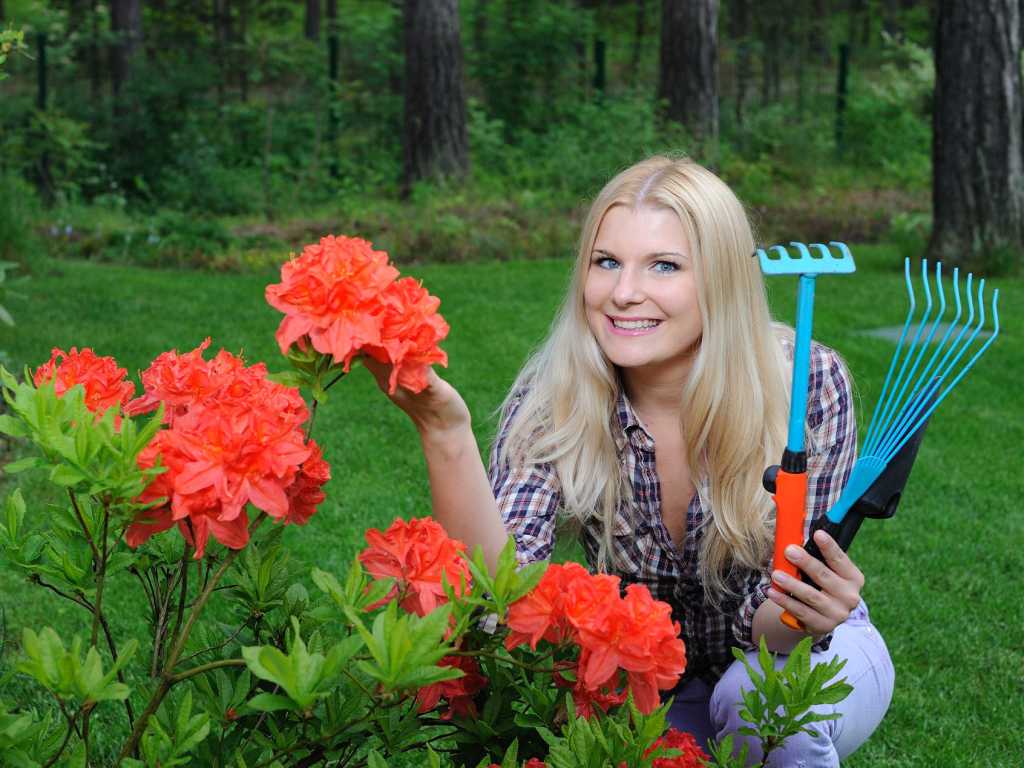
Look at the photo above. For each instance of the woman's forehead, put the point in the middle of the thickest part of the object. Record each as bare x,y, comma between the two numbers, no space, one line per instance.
642,229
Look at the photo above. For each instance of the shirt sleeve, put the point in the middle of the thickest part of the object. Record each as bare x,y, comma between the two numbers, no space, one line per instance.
831,451
528,497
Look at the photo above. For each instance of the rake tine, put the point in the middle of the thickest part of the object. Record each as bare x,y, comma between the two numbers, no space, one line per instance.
802,248
904,406
889,411
870,436
931,382
972,361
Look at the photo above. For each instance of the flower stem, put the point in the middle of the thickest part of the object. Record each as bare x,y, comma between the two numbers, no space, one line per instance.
167,676
203,668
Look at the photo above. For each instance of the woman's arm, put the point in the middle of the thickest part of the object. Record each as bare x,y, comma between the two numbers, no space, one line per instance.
462,499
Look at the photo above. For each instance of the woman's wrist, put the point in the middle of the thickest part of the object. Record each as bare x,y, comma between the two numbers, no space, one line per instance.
445,440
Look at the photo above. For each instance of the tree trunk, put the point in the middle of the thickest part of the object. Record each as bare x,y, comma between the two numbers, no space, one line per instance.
222,41
739,16
977,160
333,70
480,28
688,67
771,55
243,49
639,33
126,25
435,138
95,80
312,21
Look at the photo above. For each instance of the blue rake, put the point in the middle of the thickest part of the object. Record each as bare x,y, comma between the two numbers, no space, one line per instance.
915,385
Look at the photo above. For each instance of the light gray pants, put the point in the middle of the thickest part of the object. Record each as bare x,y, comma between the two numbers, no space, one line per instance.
708,712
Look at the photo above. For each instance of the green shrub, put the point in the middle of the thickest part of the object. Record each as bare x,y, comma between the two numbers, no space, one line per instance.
909,232
19,214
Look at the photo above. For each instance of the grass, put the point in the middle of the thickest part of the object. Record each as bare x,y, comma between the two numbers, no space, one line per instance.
944,578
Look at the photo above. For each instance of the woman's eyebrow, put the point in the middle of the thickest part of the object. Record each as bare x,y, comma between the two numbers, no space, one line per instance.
652,255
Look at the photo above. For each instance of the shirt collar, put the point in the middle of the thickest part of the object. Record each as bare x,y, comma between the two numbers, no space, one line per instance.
630,426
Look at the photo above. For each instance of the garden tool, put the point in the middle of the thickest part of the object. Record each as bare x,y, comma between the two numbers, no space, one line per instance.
910,394
787,482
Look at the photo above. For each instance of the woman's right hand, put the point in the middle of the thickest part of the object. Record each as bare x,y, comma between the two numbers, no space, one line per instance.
439,409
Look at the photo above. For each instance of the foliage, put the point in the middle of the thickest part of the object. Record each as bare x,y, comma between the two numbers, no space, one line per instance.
888,122
19,214
11,41
909,232
779,704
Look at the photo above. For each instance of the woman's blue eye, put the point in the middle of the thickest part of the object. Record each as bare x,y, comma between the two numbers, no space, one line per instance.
665,266
606,262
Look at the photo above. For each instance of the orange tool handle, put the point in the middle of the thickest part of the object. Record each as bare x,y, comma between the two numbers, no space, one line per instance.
790,510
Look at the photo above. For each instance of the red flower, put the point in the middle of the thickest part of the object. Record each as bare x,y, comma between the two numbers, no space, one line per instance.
416,554
341,297
410,332
177,381
553,610
535,762
587,701
331,294
634,635
458,693
638,636
101,377
235,438
306,494
692,755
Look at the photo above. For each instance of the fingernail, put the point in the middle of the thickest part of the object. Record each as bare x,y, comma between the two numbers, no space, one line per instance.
779,577
792,551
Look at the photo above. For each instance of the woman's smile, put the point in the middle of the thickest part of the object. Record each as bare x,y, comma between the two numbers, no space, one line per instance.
627,326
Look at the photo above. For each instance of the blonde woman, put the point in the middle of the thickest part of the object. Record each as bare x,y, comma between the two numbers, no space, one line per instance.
647,418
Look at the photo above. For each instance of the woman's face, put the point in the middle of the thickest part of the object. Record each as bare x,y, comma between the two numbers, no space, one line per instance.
640,291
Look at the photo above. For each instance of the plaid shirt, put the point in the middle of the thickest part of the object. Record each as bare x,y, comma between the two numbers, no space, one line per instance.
529,499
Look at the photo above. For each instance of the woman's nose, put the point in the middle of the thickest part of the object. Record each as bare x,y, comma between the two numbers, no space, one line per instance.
627,289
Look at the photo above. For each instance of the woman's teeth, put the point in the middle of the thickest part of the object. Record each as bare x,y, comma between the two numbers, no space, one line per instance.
635,325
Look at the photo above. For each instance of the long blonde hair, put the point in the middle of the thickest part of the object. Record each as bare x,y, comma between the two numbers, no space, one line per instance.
734,402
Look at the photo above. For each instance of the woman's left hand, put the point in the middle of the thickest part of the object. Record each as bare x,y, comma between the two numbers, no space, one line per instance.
840,581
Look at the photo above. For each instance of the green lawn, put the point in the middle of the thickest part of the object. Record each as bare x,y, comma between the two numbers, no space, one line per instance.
945,578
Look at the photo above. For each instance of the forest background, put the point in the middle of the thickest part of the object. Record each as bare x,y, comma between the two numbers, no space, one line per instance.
144,143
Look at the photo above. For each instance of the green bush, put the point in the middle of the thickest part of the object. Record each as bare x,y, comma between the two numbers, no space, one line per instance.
19,214
909,232
888,122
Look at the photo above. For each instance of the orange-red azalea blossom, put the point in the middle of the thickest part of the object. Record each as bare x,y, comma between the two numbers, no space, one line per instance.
458,693
101,377
234,438
416,554
634,635
692,755
341,296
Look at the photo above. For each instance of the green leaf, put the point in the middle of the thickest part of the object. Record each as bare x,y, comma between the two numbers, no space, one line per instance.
66,476
269,702
511,758
29,462
374,760
14,513
12,427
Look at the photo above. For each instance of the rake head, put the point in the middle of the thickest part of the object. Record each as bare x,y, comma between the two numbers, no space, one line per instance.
917,382
777,260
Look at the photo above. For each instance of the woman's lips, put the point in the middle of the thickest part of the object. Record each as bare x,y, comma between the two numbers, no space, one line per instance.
641,331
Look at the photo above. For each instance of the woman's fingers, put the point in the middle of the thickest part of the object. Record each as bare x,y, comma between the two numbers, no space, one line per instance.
380,371
838,581
813,621
827,609
837,559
